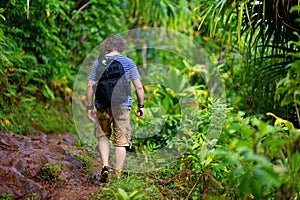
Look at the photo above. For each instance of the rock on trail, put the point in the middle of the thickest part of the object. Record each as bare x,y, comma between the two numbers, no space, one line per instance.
23,160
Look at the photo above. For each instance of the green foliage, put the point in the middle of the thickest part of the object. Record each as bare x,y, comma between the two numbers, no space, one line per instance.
252,158
288,88
121,194
41,47
166,106
88,161
256,51
31,117
256,48
6,196
174,15
50,172
134,186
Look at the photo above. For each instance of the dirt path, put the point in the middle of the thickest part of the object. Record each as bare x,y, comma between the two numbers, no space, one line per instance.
23,172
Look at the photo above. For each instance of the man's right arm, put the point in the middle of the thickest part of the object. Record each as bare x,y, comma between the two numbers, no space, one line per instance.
89,96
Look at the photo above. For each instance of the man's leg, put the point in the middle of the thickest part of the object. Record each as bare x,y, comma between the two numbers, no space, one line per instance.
122,136
102,132
103,146
120,156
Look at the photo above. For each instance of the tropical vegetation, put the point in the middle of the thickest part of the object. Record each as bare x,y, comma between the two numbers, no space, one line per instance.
243,143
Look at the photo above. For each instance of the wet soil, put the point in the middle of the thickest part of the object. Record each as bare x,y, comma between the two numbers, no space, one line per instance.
23,172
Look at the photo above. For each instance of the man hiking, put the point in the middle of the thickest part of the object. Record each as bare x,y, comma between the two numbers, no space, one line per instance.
109,82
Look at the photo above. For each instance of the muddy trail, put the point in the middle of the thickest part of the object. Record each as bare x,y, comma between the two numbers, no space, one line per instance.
45,167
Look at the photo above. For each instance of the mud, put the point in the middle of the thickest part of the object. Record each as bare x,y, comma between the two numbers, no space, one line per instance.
22,168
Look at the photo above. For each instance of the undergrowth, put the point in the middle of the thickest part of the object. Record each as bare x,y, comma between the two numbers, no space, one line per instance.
253,159
176,181
31,117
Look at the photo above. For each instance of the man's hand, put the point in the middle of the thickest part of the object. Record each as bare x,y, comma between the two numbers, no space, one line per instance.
140,112
92,115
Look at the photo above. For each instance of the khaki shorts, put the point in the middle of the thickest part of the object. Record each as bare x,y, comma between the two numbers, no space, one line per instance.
117,118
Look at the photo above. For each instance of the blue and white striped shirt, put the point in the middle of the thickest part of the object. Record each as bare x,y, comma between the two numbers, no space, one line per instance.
130,69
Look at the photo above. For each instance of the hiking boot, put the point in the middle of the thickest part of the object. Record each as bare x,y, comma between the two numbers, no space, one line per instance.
104,174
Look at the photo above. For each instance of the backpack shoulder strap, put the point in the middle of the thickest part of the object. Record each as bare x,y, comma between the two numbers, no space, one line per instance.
103,64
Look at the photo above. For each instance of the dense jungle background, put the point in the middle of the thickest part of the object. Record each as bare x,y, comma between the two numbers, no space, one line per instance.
254,46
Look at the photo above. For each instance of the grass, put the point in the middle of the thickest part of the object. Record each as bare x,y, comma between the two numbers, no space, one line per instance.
30,117
50,172
166,183
132,186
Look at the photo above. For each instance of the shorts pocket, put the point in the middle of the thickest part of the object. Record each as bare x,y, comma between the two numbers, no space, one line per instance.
122,114
103,114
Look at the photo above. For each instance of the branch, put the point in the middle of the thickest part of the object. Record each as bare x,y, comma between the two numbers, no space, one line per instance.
194,186
82,7
27,10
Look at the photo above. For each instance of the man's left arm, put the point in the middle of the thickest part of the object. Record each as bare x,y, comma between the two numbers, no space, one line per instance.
140,96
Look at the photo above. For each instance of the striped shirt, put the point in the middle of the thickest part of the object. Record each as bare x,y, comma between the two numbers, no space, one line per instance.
130,69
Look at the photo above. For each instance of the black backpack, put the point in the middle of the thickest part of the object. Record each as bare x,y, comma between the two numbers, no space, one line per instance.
112,88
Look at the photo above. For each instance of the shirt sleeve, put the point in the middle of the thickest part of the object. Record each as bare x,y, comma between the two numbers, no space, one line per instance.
134,73
93,73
